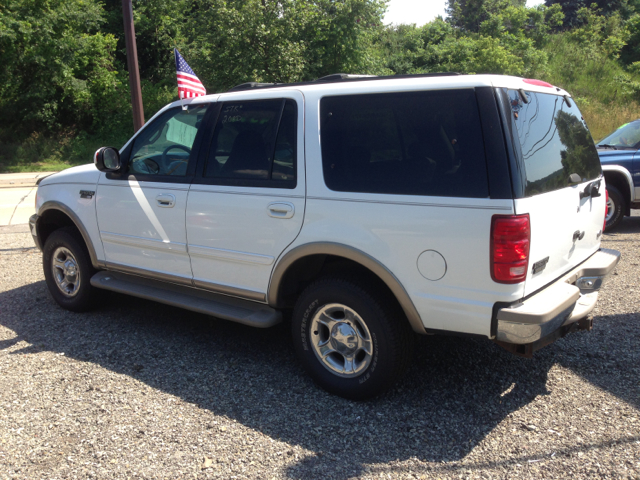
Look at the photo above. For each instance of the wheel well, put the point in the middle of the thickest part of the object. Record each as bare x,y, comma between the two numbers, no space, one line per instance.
620,182
52,220
305,270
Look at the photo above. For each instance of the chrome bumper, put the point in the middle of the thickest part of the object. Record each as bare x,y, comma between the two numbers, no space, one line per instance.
567,300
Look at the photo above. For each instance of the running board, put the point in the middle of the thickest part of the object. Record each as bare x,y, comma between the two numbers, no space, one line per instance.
220,306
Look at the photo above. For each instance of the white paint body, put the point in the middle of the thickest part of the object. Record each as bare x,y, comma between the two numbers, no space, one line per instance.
225,235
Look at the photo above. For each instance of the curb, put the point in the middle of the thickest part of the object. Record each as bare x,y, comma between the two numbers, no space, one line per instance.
21,180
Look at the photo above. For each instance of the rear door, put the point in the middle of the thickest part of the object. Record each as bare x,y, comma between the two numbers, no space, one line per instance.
247,203
558,164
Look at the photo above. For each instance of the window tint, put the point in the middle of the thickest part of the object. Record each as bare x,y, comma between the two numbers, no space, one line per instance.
418,143
164,147
255,144
285,152
553,141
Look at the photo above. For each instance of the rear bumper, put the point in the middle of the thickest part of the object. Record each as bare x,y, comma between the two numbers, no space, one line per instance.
565,301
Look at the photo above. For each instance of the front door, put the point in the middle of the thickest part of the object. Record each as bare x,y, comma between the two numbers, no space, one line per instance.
247,203
141,213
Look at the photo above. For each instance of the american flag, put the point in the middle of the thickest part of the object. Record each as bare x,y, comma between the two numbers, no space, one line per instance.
189,85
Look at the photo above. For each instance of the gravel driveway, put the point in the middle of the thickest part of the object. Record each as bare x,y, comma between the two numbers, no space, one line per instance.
141,390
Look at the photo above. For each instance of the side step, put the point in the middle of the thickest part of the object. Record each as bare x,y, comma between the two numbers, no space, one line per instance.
220,306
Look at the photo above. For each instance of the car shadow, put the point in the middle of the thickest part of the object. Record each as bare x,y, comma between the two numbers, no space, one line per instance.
627,225
456,391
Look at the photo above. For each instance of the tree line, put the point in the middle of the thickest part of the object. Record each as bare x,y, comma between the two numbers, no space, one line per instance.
63,64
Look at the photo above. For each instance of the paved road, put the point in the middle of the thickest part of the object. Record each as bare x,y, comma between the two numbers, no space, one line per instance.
17,197
141,390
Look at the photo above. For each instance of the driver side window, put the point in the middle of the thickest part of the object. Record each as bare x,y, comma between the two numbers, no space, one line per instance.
164,147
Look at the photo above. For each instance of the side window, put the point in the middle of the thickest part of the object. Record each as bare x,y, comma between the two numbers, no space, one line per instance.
254,144
164,147
284,156
415,143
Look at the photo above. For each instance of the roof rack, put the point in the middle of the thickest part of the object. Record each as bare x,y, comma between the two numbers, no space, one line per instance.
336,78
252,85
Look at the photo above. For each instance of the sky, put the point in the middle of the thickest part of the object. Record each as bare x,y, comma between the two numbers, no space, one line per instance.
422,11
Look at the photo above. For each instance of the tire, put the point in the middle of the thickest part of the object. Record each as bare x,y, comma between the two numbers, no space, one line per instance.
616,208
68,270
353,341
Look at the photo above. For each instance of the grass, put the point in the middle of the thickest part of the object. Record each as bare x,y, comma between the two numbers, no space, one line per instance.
606,93
604,119
38,153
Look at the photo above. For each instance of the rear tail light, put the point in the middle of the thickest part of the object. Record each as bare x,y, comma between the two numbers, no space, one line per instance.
510,240
606,210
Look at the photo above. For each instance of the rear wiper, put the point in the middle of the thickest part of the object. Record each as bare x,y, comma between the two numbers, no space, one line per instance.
606,145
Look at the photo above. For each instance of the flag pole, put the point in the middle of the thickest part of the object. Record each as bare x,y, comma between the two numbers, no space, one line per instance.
132,64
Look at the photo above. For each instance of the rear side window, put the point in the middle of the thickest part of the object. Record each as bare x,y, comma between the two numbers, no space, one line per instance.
552,141
416,143
254,144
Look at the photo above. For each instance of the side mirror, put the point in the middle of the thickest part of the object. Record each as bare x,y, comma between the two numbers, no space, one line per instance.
107,159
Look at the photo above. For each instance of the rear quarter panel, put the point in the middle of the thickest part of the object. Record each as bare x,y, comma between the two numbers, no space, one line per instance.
396,229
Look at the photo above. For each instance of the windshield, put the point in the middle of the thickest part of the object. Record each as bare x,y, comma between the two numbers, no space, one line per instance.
628,135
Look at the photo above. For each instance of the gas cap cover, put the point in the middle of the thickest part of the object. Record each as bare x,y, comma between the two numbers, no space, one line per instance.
432,265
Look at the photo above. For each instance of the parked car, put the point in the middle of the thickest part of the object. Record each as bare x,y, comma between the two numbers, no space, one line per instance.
371,208
618,153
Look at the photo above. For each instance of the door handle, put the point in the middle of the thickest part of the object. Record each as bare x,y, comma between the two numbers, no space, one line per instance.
166,200
281,210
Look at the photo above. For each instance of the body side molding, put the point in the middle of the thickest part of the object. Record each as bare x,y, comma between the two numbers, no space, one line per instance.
55,205
339,250
195,284
627,175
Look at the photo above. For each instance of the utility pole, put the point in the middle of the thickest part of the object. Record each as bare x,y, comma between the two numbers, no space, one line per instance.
132,63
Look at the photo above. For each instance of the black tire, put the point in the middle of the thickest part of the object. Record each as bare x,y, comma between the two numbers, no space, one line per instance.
66,245
616,203
386,326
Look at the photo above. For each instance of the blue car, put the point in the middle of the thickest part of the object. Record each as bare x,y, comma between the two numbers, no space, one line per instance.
620,162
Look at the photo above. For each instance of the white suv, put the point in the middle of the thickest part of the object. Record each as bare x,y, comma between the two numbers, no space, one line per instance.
371,207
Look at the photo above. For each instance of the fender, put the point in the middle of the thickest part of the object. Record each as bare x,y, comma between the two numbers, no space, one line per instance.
54,205
626,174
339,250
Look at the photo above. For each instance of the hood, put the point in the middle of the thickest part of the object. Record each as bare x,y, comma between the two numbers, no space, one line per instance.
81,174
610,155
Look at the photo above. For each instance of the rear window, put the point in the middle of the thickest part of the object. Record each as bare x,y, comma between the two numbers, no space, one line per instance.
417,143
552,141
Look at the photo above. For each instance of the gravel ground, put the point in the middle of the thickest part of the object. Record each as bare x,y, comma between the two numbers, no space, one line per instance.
140,390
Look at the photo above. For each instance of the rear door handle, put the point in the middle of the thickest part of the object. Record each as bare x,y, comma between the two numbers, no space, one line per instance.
166,200
281,210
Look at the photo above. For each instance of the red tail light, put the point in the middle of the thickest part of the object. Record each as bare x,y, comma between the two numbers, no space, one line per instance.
606,211
510,240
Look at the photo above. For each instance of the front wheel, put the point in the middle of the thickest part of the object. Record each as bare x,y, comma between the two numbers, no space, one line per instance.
353,341
68,270
615,208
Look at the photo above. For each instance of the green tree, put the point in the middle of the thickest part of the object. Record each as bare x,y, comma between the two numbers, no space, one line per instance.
468,15
57,65
282,40
579,151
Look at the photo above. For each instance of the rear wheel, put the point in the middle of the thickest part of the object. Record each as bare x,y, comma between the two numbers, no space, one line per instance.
68,270
615,208
353,341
